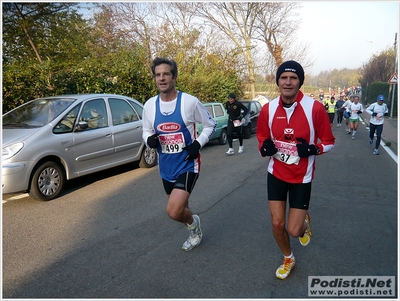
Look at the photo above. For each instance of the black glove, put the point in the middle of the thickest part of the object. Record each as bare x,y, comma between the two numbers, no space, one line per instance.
374,114
268,148
304,149
359,112
193,149
152,141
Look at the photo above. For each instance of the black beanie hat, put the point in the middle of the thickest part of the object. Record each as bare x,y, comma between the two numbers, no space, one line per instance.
291,66
231,95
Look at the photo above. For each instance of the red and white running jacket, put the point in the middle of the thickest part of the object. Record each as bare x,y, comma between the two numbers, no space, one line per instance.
307,119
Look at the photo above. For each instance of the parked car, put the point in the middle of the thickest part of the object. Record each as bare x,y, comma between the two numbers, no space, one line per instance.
52,139
251,118
262,99
218,112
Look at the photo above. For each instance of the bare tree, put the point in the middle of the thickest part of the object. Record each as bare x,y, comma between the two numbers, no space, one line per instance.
262,32
278,25
238,22
161,28
255,37
135,22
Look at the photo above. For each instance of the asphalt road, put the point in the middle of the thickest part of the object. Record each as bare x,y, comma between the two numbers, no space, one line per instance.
108,236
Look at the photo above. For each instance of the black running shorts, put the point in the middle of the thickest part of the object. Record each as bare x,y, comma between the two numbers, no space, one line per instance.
185,181
299,194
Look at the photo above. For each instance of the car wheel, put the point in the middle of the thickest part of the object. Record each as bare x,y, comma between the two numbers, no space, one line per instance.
247,131
223,138
149,158
47,181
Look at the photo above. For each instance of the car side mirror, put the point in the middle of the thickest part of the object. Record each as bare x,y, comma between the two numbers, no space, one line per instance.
82,125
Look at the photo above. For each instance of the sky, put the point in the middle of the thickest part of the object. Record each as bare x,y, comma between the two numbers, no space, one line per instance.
345,34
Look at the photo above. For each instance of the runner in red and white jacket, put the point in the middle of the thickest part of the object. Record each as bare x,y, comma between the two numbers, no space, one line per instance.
292,129
306,119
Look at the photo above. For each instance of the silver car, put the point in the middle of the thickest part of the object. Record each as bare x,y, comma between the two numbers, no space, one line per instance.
49,140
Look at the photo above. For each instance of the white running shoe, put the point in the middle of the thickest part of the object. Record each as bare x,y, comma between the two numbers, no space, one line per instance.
283,271
240,149
230,151
195,235
375,152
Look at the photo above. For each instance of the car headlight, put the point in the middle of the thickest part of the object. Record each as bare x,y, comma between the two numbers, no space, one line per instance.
11,150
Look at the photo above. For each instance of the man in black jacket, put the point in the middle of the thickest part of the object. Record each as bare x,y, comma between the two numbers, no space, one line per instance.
235,122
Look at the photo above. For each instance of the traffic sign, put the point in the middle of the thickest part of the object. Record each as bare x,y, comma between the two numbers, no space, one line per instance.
393,79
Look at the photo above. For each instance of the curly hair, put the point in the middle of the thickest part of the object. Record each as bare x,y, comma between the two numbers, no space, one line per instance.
159,60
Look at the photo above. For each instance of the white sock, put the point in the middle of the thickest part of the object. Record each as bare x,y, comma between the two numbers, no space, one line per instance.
193,224
290,256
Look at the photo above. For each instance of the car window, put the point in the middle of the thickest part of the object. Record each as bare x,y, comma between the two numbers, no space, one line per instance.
253,108
138,108
66,124
247,105
258,107
210,110
219,111
121,111
95,114
36,113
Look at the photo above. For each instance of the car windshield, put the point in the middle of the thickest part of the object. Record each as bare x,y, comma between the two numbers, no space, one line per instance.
36,113
247,105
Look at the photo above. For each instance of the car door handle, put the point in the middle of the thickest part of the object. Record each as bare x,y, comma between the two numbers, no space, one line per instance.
108,135
138,127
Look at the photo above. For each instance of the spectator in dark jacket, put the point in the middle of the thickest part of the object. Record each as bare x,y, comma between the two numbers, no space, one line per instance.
234,109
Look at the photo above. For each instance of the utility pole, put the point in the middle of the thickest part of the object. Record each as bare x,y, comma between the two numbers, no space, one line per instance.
392,87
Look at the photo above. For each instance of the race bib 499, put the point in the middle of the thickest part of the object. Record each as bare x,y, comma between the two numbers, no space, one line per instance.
172,143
